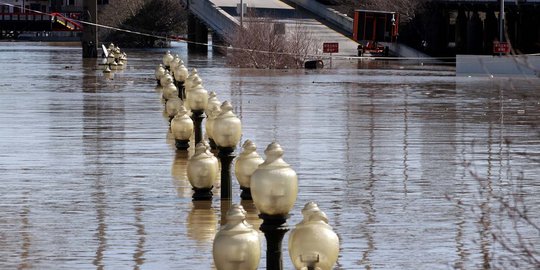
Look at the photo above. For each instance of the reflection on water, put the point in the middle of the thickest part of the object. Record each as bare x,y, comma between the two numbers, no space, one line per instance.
92,179
202,222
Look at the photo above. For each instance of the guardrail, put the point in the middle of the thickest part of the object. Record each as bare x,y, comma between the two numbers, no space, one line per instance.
213,16
339,19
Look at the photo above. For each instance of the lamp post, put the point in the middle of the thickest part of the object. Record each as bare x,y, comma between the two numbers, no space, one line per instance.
167,58
182,128
274,187
197,99
174,63
180,75
227,130
212,112
313,244
201,173
169,90
172,107
245,165
189,81
158,73
236,245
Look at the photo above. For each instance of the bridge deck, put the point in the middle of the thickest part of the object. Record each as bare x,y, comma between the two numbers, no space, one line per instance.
273,4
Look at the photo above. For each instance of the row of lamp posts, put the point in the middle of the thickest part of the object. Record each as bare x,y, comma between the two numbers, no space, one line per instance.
271,183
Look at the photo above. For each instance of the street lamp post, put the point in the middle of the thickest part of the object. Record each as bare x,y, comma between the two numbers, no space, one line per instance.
236,245
167,58
245,165
172,107
197,99
212,112
227,130
201,173
180,76
274,187
182,128
312,243
159,72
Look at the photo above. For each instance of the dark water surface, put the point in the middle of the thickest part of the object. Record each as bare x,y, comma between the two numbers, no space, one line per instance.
90,177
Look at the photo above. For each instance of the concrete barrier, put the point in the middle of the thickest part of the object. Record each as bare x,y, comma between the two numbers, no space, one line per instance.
486,65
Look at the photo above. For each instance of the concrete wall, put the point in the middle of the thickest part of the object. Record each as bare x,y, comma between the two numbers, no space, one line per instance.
485,65
339,19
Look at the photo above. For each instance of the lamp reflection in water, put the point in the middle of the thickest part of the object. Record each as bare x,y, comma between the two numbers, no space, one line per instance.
274,187
179,174
202,222
313,244
236,245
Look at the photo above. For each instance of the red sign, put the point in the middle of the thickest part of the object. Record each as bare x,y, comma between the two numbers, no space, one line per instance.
501,47
332,47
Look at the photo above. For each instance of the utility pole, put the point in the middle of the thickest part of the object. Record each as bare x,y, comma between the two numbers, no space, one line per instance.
89,40
501,21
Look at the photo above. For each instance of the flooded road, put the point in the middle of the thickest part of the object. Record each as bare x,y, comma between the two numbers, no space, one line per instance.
407,163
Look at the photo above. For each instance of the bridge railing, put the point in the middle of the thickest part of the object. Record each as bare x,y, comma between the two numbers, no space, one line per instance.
339,19
213,16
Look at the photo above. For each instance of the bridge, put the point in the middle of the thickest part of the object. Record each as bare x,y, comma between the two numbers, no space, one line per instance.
450,27
222,18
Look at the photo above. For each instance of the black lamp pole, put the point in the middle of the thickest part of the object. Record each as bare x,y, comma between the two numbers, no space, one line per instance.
274,228
197,117
226,156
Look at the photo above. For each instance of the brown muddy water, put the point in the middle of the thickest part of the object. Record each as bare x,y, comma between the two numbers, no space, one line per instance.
407,161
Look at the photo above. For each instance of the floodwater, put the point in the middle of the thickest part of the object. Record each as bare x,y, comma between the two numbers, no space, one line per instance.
406,160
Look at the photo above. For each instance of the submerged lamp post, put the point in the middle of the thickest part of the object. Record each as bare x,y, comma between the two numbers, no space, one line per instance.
212,112
172,106
236,245
274,187
180,76
167,59
201,173
313,244
197,101
182,128
244,166
227,130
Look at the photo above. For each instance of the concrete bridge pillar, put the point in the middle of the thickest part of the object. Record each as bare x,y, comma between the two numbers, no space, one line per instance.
461,31
474,34
198,33
490,31
89,39
218,44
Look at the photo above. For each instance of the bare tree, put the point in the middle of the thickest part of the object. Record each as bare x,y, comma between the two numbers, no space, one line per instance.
155,18
268,43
